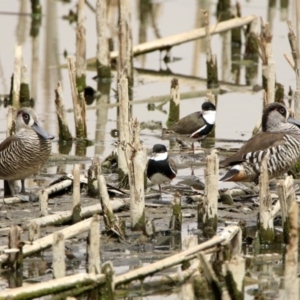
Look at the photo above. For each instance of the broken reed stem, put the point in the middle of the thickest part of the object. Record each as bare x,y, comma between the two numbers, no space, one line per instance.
286,195
174,111
93,172
34,231
63,127
94,261
79,108
58,252
209,210
211,59
137,157
15,243
123,132
43,200
109,289
291,281
17,76
24,87
176,218
103,61
76,213
105,203
80,47
265,222
125,59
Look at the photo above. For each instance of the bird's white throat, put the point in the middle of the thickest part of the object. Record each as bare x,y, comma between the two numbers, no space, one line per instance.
159,156
210,116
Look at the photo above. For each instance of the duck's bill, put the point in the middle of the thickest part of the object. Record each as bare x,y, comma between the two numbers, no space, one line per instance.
293,121
41,132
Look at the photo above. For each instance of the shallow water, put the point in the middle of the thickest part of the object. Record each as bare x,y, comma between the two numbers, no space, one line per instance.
238,110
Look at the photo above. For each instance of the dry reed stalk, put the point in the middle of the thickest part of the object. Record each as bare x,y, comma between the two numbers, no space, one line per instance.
183,37
43,201
291,281
103,60
109,288
24,87
79,108
210,200
227,234
15,243
80,47
176,218
17,76
137,160
174,111
52,286
94,261
58,252
266,211
34,231
63,127
123,131
286,195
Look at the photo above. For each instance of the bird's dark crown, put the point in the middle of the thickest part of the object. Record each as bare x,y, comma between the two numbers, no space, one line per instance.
208,106
272,107
159,148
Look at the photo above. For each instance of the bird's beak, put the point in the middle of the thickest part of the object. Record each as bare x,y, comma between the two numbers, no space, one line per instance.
293,121
41,132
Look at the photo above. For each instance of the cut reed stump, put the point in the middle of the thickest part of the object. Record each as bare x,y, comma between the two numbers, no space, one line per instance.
63,127
24,87
103,61
15,244
174,110
125,59
136,155
78,102
176,218
266,211
93,243
43,201
77,209
291,280
208,210
287,196
80,47
58,250
211,59
124,132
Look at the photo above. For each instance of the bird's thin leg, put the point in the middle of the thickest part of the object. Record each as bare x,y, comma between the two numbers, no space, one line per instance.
23,186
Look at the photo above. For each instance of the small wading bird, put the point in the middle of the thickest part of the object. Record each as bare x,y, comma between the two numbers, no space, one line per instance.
24,153
195,126
161,169
279,141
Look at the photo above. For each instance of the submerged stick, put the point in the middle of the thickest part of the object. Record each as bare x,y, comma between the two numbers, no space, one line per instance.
63,127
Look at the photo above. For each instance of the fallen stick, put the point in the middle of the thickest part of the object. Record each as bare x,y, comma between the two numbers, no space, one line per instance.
52,286
184,37
47,241
226,235
66,216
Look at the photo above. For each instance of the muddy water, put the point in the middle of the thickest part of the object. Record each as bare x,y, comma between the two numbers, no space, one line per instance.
238,110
